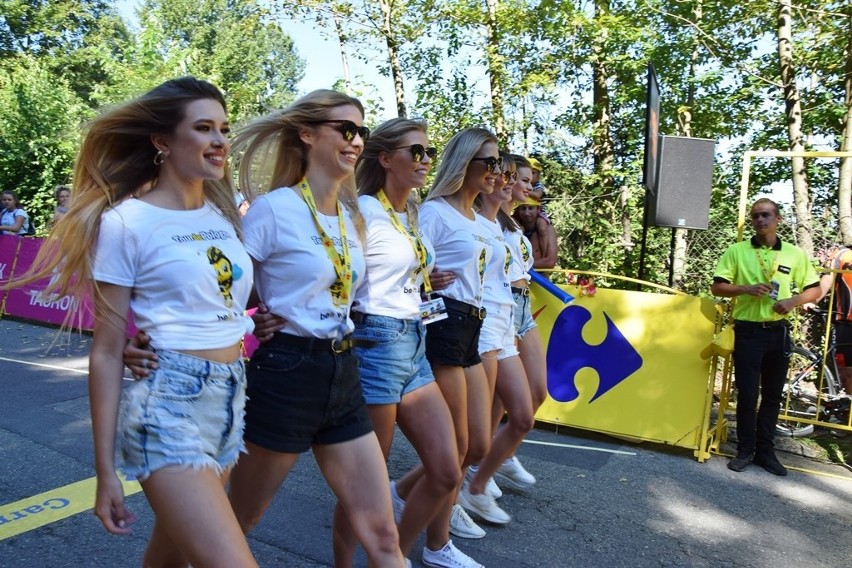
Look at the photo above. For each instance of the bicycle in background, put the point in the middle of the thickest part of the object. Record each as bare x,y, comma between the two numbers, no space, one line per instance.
814,390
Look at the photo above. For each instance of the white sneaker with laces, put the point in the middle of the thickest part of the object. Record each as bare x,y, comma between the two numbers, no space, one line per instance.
483,505
490,487
513,474
398,503
448,557
462,526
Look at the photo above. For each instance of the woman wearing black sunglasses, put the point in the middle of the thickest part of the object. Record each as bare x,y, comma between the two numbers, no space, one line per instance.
306,238
396,379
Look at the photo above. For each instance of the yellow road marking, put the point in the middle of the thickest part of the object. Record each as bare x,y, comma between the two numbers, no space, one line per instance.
51,506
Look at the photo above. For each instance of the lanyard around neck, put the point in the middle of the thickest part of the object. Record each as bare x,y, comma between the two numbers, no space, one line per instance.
413,238
342,288
766,273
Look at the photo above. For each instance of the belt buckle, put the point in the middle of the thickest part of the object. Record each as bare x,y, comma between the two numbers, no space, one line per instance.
341,346
482,313
526,291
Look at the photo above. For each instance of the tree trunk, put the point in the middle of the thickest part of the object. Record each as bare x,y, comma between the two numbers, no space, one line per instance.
844,185
393,58
793,114
496,71
341,38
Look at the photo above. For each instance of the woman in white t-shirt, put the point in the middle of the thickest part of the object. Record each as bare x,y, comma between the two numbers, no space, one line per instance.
470,165
499,354
13,219
398,384
305,235
173,257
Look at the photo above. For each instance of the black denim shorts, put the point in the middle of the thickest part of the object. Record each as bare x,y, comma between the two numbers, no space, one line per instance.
454,341
298,397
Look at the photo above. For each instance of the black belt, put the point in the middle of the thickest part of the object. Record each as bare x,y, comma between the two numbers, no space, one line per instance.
762,324
320,344
464,307
357,317
525,291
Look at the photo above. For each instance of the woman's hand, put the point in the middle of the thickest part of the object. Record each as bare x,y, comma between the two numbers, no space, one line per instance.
440,279
138,357
109,505
266,324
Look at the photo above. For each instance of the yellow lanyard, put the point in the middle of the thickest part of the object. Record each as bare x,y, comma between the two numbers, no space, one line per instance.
768,275
419,248
342,288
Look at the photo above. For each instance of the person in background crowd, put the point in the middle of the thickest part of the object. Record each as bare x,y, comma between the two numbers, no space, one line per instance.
306,236
398,384
540,233
538,191
179,431
840,258
14,220
759,272
63,195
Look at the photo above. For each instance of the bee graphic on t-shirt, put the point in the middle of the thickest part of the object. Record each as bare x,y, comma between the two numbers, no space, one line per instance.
481,265
508,262
224,273
525,251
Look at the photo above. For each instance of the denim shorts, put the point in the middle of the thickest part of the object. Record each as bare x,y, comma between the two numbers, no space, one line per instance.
524,321
454,341
397,365
299,397
188,412
498,331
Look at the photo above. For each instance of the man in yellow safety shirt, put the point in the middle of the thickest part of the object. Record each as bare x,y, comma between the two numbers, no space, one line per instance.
761,271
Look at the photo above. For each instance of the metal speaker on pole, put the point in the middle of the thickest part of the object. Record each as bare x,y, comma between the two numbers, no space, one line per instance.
684,181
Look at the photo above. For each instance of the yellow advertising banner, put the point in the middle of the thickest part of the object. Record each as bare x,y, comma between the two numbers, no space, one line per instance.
627,363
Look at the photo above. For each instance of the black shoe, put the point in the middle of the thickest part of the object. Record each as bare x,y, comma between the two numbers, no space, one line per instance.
770,463
740,462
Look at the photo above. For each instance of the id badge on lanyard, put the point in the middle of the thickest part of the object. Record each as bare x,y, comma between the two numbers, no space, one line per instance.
432,310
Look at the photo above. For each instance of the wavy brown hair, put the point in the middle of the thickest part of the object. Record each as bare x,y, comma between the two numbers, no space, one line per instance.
116,161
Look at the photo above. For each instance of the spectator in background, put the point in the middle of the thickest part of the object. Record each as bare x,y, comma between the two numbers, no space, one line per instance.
538,190
63,195
14,220
539,231
840,258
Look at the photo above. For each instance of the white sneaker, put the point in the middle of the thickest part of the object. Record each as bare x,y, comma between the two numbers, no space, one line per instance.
490,487
398,503
483,505
513,474
462,525
448,557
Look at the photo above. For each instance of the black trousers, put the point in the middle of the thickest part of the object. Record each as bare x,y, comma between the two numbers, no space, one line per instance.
761,361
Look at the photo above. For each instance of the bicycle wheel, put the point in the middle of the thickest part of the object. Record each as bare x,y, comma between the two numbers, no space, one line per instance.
806,391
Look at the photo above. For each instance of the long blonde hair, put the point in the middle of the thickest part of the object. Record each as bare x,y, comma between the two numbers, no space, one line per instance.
369,174
116,160
458,153
271,153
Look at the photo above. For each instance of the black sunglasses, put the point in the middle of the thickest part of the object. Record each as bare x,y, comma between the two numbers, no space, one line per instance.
509,177
348,129
418,151
491,163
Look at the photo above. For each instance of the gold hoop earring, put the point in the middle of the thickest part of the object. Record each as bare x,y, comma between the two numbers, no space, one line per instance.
159,158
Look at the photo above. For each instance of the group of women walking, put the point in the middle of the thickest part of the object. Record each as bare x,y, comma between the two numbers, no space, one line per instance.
375,313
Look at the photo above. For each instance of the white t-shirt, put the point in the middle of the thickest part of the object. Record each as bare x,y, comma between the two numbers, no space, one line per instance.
295,273
522,257
461,246
191,276
498,287
8,219
391,287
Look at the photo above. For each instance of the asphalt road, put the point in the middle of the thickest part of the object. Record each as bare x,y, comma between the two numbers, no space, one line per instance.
598,501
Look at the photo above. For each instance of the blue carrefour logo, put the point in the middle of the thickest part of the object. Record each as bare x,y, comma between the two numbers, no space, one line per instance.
567,352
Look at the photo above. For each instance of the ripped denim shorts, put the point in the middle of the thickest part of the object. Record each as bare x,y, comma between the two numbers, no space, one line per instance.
189,412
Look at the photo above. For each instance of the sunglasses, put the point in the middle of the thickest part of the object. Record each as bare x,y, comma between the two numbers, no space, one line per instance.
492,164
509,177
348,129
418,151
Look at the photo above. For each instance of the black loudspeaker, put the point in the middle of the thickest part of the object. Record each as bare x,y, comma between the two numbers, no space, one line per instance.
684,181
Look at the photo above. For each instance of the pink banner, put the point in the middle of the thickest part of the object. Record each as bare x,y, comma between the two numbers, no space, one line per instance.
31,303
8,250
